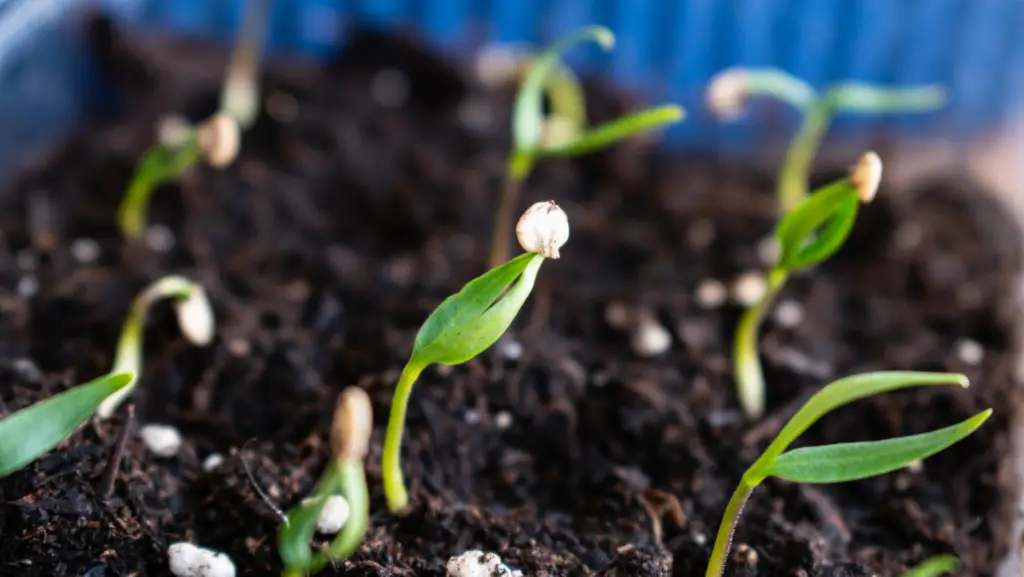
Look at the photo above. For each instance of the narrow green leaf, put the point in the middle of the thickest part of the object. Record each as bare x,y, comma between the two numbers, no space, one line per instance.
839,393
934,567
868,98
528,116
565,93
619,129
29,433
468,322
817,228
293,537
851,461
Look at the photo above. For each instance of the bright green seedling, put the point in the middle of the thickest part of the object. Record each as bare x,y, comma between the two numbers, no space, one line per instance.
808,235
729,90
217,139
843,461
938,565
469,322
562,133
195,319
31,432
340,502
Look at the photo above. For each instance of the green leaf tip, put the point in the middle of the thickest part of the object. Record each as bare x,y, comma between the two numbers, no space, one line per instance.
935,566
31,432
844,462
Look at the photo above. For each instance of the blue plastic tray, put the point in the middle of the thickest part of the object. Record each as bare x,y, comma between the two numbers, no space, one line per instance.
667,48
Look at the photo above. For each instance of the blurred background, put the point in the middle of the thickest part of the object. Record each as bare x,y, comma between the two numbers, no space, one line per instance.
667,50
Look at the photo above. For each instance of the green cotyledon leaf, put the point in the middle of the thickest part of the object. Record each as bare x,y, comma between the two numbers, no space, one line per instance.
851,461
29,433
470,321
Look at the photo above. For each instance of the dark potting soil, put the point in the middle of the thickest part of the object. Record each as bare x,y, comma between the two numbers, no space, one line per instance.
347,218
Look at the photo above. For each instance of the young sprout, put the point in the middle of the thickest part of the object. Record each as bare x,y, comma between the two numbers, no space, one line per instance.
808,235
344,476
563,133
729,90
216,139
469,322
843,461
195,319
31,432
935,566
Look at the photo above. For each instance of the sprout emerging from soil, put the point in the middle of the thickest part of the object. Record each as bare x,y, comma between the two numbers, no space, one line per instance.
195,319
808,235
563,132
31,432
843,461
730,89
215,140
344,476
469,322
935,566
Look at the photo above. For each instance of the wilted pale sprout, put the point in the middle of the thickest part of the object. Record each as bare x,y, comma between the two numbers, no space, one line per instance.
195,319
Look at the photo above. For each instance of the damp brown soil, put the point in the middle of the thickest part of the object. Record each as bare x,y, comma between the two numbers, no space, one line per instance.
352,212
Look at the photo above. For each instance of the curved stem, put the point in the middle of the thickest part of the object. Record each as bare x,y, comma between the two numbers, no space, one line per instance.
796,168
394,485
501,229
723,540
747,364
353,488
160,165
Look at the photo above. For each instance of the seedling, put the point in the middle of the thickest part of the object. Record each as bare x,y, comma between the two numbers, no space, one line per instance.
938,565
563,133
843,461
469,322
31,432
808,235
729,90
216,139
195,319
344,475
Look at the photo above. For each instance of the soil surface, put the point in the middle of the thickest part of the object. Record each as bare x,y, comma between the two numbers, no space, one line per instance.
360,200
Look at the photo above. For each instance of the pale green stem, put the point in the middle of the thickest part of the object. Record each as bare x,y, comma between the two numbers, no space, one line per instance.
351,485
133,212
240,93
394,485
749,376
794,177
501,229
723,540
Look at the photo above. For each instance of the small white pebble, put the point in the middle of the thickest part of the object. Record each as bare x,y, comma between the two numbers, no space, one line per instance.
28,286
503,420
27,259
498,65
173,130
182,558
187,560
333,516
476,563
159,238
699,538
390,87
788,314
768,250
649,338
969,351
212,461
711,294
748,288
161,440
915,466
510,349
471,417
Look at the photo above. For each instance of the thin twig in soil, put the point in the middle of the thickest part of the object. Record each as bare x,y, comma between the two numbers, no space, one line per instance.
256,486
117,454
